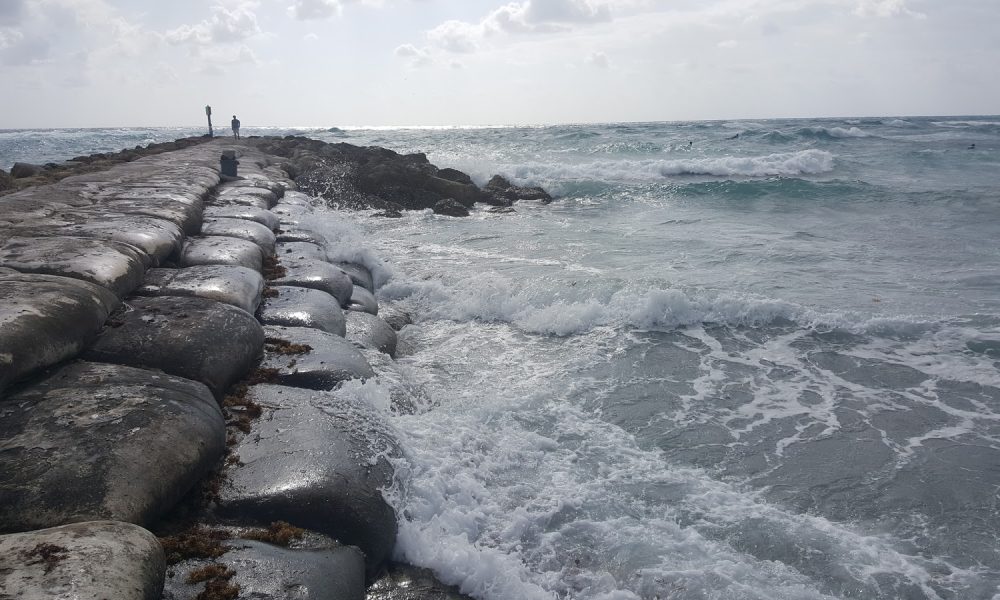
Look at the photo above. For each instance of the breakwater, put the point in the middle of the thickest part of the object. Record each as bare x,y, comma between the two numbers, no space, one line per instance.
171,345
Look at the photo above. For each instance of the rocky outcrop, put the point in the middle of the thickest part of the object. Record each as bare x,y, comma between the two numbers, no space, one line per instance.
503,192
450,208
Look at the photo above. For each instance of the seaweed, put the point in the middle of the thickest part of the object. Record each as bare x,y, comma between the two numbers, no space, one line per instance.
278,533
196,542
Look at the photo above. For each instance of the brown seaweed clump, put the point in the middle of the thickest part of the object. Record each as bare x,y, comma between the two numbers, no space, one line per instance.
196,542
278,533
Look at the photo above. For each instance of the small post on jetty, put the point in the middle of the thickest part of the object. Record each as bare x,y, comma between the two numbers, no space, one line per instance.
208,113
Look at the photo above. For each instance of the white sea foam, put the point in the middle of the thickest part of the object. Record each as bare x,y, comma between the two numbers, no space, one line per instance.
836,132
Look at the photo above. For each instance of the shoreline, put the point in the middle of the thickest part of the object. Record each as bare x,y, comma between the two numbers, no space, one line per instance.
173,339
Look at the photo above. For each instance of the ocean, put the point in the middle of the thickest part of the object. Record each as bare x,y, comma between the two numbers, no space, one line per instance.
731,360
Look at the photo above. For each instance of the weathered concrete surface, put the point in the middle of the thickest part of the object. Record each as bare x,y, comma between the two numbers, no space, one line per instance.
237,286
242,229
301,233
363,301
97,560
395,317
196,338
330,360
300,251
221,250
96,441
249,213
46,319
403,582
296,198
317,460
359,274
370,331
304,307
113,265
317,275
266,571
228,191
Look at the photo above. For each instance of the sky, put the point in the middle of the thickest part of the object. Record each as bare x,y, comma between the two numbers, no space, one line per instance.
131,63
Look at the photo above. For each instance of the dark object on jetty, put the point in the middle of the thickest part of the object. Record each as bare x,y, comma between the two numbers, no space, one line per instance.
228,163
318,461
98,441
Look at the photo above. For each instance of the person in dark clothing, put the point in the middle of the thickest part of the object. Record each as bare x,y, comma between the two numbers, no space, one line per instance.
236,127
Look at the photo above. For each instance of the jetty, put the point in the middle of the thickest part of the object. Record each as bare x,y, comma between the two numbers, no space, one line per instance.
173,339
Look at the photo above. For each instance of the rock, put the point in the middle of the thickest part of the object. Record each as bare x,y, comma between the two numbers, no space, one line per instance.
22,170
454,175
267,571
304,307
250,213
395,317
97,441
97,560
113,265
237,286
317,275
503,190
6,181
242,200
403,582
229,192
369,331
359,274
451,208
294,233
465,194
46,319
302,251
222,250
389,213
501,210
326,359
362,300
316,460
499,183
296,198
199,339
180,209
242,229
157,238
293,214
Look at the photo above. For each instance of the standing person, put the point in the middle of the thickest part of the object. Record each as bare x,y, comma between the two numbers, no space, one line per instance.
236,127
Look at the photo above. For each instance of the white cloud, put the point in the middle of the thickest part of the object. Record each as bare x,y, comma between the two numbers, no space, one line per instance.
599,60
417,57
306,10
728,44
885,8
225,26
456,36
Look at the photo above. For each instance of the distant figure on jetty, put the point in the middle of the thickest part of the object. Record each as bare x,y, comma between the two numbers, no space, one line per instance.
236,127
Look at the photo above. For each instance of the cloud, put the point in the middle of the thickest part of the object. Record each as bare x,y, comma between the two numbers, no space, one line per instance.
728,44
885,9
225,26
416,57
307,10
599,60
12,11
18,50
456,36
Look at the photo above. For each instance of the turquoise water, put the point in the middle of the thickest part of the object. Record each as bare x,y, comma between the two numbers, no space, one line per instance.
762,366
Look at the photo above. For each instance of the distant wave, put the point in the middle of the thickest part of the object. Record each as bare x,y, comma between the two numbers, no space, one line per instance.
898,123
833,132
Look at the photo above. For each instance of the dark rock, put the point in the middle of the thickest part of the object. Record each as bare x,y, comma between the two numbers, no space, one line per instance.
113,265
199,339
46,319
97,441
464,194
304,307
222,250
359,274
403,582
6,181
22,170
319,461
250,213
501,189
454,175
395,317
237,286
317,275
451,208
85,561
363,301
329,359
370,331
389,213
501,210
266,571
242,229
498,182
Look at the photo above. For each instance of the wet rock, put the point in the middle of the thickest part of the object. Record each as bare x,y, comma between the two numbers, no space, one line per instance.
199,339
295,233
317,275
364,301
501,210
245,200
317,460
181,209
46,319
267,571
292,214
403,582
113,265
328,360
157,238
221,250
396,317
237,286
97,560
454,175
450,208
297,198
22,170
304,307
503,190
302,251
258,215
369,331
465,194
359,274
98,441
229,192
239,228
